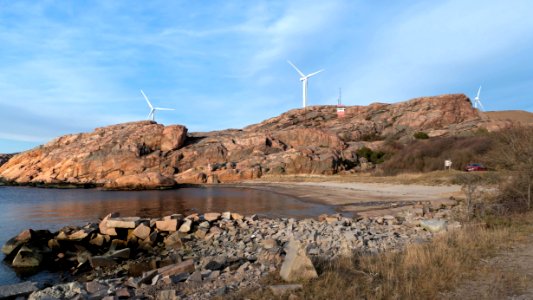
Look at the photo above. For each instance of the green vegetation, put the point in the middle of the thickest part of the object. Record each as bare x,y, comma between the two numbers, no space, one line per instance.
421,135
375,157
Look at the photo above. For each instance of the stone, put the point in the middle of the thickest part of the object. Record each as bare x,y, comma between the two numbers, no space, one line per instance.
97,240
183,267
102,262
173,137
173,241
94,287
15,242
281,289
269,243
186,226
236,216
124,222
122,253
226,215
123,293
61,291
296,265
433,225
78,235
27,258
167,295
211,217
104,229
201,233
141,231
170,225
22,289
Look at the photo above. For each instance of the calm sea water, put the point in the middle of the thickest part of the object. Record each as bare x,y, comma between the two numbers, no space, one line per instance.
37,208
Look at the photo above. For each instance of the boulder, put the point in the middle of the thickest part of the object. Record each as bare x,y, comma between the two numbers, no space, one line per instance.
13,291
17,241
173,137
434,225
126,222
173,241
104,228
211,217
182,267
167,225
27,258
142,231
296,265
186,226
102,262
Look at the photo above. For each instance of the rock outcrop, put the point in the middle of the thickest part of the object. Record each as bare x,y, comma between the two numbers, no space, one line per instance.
4,158
314,140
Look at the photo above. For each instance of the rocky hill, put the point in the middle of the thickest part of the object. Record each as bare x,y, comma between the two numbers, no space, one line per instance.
302,141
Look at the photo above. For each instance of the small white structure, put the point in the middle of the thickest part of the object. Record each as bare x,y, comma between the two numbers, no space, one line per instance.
448,164
151,115
303,79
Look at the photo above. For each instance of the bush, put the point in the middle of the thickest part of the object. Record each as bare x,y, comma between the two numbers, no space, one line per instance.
375,157
429,155
421,135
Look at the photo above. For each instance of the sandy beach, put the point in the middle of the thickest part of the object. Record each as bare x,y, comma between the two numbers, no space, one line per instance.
366,199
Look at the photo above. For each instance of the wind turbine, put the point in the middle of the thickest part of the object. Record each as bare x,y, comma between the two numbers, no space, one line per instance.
477,102
303,79
151,115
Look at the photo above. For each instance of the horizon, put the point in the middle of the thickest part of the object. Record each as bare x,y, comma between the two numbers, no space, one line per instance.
72,67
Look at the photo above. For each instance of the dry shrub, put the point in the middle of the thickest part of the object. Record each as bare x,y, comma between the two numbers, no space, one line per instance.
429,155
513,150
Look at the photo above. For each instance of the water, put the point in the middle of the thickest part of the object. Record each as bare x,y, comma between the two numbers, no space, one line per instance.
36,208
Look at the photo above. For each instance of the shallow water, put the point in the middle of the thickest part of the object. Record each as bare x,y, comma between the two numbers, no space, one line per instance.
37,208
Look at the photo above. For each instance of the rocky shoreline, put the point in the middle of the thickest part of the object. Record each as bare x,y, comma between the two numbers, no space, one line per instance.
202,256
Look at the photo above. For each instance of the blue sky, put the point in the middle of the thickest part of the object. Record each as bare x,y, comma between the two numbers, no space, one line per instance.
71,66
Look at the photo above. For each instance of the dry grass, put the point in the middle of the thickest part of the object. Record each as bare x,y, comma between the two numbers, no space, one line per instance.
422,271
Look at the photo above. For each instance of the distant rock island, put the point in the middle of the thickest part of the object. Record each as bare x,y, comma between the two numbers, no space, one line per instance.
147,155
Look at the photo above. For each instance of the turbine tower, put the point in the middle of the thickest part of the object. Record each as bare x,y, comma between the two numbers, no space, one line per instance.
303,79
151,115
477,102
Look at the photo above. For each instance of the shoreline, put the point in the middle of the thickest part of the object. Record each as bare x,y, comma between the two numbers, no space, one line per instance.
201,255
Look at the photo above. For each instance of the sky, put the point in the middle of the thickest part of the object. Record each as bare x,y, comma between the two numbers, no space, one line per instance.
71,66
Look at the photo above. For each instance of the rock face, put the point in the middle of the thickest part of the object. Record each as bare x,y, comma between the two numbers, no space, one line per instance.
4,158
145,154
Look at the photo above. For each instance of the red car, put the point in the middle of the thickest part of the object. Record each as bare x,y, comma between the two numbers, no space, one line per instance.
475,168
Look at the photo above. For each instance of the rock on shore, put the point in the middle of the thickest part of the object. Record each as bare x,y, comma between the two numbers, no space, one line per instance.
201,256
145,154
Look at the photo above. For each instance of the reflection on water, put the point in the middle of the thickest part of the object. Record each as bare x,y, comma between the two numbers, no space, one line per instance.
23,207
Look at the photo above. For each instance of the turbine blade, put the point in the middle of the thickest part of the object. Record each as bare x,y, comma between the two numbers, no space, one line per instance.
297,70
478,92
313,74
146,98
162,108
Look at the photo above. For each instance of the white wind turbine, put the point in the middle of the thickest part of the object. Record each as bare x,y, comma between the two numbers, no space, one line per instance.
151,115
303,79
477,102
